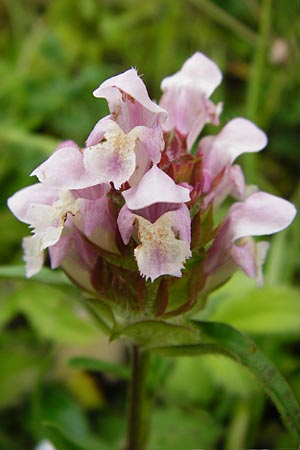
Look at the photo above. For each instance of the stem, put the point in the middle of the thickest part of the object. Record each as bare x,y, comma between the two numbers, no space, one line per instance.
138,401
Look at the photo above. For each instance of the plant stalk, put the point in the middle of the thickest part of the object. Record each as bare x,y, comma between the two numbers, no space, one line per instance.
138,401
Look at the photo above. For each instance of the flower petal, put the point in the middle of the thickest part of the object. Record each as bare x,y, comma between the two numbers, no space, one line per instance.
113,159
77,257
198,72
260,214
98,131
33,255
125,223
97,223
20,202
155,187
185,96
160,253
231,183
250,258
129,101
64,169
237,137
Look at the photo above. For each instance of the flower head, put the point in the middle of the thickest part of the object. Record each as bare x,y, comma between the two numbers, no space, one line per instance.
134,204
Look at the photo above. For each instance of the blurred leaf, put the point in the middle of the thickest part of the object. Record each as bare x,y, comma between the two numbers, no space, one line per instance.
51,314
58,406
203,375
96,365
198,385
19,368
47,276
241,348
268,310
68,422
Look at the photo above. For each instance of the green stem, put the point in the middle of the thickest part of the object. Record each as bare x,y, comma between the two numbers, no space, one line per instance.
138,401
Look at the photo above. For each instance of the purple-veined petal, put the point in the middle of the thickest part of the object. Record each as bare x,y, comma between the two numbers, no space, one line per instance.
250,257
178,215
181,222
185,96
68,143
91,193
209,113
153,141
155,187
142,164
232,183
33,255
20,202
76,256
97,223
198,72
129,101
46,211
64,169
114,159
60,250
237,137
260,214
98,131
159,252
48,222
125,223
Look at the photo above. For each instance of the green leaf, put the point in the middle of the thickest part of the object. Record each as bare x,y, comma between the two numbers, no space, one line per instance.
52,314
155,333
46,276
270,309
101,366
19,367
241,348
60,441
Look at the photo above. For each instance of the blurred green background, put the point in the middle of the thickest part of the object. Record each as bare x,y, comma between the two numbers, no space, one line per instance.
54,53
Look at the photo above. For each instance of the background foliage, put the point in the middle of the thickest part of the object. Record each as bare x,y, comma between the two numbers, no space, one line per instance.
53,54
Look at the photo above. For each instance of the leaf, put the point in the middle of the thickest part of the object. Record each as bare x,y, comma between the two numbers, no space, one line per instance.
19,367
52,314
270,309
241,348
155,333
46,276
95,365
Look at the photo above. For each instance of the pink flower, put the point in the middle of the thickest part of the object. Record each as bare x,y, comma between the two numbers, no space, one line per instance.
48,211
129,102
186,94
156,216
136,204
259,215
220,151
